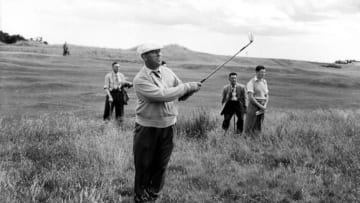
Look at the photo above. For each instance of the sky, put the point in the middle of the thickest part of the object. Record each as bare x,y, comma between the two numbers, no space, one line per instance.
314,30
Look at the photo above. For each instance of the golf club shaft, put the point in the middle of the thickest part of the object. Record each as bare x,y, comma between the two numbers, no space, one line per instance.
183,98
222,65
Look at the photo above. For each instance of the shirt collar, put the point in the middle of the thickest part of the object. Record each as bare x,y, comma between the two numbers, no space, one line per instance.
149,71
256,79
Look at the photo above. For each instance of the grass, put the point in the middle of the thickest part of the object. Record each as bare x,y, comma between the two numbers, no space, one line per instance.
302,156
308,151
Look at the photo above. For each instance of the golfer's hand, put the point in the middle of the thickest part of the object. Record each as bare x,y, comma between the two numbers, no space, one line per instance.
192,88
111,99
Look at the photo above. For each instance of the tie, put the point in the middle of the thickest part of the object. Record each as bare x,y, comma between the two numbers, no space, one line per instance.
116,81
157,74
157,79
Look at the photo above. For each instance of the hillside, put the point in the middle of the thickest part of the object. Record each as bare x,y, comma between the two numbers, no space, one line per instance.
37,78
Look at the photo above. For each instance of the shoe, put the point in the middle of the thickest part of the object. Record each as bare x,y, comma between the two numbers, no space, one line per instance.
147,197
152,195
238,132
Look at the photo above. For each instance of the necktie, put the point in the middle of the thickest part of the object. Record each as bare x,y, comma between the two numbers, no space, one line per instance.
157,79
116,85
157,74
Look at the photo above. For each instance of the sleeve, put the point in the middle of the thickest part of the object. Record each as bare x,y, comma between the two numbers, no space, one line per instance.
107,82
223,95
122,77
243,97
177,80
149,92
250,86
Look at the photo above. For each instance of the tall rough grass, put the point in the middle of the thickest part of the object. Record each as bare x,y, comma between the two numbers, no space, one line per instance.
301,156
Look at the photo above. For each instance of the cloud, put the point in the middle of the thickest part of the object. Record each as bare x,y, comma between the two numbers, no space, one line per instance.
314,11
232,17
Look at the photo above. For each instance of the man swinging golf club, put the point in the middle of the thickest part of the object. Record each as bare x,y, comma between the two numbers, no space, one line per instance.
156,87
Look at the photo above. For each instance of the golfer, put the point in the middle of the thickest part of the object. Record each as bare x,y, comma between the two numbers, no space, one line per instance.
234,102
258,95
157,87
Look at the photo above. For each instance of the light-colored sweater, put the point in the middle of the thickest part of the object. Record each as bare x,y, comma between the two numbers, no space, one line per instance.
156,97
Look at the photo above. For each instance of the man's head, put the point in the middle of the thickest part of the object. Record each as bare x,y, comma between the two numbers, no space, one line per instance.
233,78
260,71
115,66
151,55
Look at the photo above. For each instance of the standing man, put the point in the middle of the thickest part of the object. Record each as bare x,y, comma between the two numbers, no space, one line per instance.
66,49
157,87
234,98
115,84
258,94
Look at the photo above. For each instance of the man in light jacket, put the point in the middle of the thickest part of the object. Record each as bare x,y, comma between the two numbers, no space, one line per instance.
157,87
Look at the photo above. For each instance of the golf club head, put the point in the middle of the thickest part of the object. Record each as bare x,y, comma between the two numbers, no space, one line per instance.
251,37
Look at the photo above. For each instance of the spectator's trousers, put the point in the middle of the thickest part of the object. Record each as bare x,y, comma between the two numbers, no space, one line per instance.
231,108
117,103
254,122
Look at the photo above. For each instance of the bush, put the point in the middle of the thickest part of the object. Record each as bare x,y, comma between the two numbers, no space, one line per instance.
196,124
10,39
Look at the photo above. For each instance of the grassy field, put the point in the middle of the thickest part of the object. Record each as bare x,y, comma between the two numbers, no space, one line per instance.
55,148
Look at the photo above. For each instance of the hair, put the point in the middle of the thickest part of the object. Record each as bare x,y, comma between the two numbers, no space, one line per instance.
259,68
115,62
232,73
163,62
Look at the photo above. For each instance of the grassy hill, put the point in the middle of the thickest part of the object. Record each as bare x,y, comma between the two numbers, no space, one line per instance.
56,148
37,78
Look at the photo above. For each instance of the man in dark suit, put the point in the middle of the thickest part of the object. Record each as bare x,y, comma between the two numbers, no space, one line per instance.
233,101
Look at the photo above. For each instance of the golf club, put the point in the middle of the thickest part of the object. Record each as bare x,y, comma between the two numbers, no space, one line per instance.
251,39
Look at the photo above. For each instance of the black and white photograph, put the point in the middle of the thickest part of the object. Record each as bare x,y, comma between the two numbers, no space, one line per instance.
179,101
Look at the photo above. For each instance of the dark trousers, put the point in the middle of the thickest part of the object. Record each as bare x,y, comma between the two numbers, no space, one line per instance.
231,108
117,103
152,150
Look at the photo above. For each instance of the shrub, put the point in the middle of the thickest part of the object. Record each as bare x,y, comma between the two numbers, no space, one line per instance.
10,39
196,124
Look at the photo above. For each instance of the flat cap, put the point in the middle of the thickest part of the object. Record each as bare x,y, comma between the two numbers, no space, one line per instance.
144,48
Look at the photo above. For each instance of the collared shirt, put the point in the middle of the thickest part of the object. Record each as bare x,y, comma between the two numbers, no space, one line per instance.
258,87
233,94
114,80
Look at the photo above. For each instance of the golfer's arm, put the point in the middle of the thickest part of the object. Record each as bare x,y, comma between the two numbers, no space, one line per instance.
152,93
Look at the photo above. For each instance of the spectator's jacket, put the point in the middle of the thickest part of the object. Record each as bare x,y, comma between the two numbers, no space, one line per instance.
240,94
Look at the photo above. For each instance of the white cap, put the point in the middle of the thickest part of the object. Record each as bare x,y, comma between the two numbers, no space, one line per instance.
141,49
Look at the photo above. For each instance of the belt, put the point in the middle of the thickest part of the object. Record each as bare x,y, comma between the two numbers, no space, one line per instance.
116,90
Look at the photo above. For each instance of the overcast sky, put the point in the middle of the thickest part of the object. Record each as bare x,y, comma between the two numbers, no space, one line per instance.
314,30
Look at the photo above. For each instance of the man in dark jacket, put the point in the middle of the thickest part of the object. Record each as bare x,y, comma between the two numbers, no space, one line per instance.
233,101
